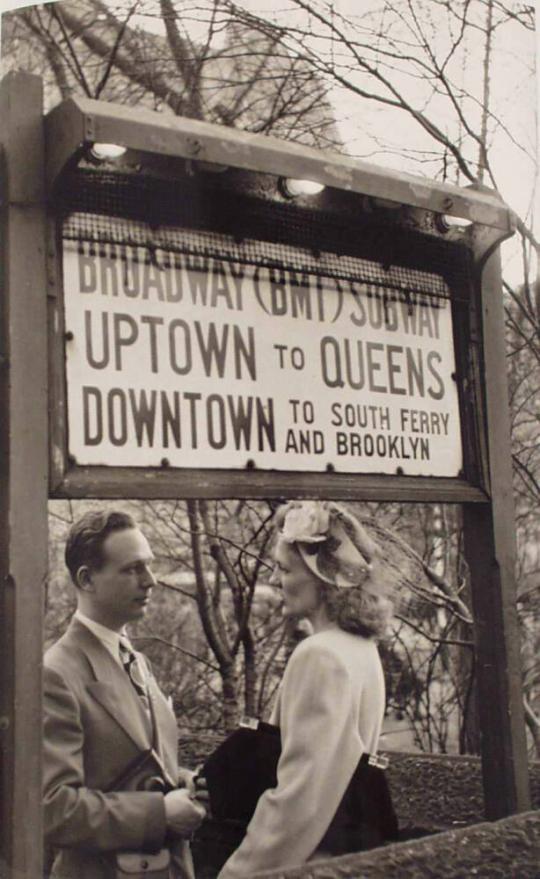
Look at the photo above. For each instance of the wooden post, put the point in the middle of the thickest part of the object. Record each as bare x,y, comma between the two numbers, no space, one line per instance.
491,555
23,477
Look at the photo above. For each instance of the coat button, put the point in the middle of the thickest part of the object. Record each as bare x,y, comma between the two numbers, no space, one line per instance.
144,865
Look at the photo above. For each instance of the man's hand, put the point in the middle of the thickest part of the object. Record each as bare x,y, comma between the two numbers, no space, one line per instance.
196,785
183,813
186,778
201,793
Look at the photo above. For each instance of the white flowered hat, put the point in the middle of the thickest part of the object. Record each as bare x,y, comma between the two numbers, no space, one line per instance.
331,541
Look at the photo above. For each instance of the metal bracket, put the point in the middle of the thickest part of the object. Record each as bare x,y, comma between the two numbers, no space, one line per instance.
89,128
249,723
485,239
378,761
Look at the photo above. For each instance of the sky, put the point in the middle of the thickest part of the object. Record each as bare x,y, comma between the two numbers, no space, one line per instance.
376,133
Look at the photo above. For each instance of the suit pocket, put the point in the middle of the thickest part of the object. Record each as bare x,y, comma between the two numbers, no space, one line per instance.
77,864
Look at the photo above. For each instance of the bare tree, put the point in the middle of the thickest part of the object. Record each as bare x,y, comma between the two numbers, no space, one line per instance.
424,61
229,74
433,65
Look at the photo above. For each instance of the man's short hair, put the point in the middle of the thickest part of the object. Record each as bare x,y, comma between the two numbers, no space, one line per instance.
86,538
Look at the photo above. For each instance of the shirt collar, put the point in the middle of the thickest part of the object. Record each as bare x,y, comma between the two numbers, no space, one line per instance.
108,637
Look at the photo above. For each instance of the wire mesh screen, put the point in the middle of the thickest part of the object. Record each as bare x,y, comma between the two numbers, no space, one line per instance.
149,219
113,239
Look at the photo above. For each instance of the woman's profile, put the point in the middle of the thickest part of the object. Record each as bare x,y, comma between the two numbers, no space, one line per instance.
331,701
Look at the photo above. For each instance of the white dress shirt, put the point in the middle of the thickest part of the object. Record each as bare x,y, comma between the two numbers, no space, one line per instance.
109,638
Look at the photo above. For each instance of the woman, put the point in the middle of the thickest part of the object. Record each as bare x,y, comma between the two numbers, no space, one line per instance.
331,701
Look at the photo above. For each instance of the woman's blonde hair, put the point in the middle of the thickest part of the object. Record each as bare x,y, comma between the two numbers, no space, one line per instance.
358,610
345,560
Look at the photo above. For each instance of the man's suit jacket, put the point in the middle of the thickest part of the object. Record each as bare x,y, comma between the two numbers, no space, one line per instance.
95,726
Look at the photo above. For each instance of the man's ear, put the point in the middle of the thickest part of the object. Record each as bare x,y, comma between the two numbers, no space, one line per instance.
84,579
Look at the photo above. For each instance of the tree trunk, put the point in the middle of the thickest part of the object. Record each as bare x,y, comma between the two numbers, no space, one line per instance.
533,722
250,674
482,153
469,731
229,686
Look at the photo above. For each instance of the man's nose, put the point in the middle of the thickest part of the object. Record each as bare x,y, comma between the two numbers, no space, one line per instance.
148,578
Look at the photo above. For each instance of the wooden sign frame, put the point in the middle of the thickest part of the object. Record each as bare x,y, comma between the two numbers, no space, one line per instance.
35,153
71,129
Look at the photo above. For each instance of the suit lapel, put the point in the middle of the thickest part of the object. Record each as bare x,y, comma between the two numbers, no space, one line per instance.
125,708
112,687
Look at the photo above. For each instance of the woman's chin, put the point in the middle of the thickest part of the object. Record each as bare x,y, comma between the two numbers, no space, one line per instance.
289,610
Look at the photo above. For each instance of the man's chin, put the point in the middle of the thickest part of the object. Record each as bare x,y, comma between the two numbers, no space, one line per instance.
140,610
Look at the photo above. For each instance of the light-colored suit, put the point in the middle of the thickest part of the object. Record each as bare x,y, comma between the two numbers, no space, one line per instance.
330,710
95,726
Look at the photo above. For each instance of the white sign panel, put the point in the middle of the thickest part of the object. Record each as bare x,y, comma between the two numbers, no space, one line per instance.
211,363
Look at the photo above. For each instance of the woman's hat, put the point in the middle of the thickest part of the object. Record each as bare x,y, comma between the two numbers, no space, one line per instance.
332,543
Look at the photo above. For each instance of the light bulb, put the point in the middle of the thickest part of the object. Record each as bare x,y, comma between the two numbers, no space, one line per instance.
292,187
445,222
103,151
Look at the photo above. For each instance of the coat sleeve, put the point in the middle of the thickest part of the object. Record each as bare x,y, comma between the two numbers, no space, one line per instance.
321,749
74,815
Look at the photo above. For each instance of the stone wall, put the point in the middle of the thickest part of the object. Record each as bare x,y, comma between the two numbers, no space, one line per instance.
508,849
438,792
431,793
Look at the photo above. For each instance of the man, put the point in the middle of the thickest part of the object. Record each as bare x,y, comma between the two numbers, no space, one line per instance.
103,713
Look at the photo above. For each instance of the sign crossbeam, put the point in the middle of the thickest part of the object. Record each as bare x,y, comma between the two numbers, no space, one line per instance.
80,122
114,482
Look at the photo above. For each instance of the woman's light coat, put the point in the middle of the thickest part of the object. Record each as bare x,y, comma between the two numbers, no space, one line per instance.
330,709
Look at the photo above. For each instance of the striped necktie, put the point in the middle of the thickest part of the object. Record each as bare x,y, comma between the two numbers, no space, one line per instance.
132,667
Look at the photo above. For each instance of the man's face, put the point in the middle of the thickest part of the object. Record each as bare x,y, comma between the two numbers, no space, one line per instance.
119,591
